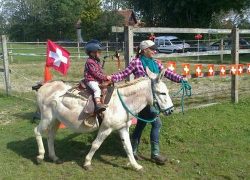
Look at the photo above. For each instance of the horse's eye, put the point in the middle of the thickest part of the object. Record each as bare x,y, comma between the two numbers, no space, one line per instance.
163,94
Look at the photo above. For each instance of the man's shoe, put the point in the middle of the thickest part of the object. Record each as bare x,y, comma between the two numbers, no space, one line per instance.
137,157
155,154
159,159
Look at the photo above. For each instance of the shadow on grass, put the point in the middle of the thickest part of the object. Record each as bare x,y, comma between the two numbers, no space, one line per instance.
30,116
69,149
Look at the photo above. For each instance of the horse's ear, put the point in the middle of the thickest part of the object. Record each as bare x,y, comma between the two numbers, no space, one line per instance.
161,74
150,74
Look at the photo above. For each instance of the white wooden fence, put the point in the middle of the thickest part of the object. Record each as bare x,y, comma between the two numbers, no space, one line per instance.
129,32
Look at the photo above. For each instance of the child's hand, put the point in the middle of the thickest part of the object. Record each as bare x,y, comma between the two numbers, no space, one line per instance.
109,78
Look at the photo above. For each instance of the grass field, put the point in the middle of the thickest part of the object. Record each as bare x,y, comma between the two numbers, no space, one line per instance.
210,143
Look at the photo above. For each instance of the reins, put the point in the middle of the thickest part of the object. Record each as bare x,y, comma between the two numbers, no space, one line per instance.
130,112
186,90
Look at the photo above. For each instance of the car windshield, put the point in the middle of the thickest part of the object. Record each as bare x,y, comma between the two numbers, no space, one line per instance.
176,41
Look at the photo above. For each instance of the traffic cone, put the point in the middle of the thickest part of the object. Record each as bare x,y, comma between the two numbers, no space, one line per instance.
47,74
62,126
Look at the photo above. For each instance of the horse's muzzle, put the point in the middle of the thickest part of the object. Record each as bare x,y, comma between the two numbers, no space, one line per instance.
169,111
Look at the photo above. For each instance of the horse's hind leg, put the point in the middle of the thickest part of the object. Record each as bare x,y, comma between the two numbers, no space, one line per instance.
42,128
124,134
101,136
50,139
39,130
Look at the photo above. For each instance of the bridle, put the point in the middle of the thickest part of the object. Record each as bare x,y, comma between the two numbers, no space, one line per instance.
155,102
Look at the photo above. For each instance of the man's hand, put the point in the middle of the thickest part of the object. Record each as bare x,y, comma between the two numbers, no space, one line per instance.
185,79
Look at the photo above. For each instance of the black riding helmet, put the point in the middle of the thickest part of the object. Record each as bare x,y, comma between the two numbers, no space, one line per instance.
93,45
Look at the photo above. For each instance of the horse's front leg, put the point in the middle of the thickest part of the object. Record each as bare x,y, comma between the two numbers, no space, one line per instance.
124,134
101,136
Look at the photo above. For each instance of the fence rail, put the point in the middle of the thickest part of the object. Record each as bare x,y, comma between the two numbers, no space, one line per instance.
129,32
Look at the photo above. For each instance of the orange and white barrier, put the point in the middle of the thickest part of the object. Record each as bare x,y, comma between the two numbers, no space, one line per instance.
209,70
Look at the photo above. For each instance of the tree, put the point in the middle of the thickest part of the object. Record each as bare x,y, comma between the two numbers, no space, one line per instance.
30,20
230,19
183,13
89,15
101,29
96,23
110,5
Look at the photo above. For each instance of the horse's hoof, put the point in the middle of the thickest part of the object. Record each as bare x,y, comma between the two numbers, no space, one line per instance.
39,161
140,169
58,161
88,167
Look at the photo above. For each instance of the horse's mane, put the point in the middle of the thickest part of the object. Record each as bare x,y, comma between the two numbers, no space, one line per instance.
128,89
130,83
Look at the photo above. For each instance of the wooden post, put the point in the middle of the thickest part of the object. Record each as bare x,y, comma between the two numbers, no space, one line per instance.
6,64
235,60
10,54
183,45
221,49
198,50
78,50
107,48
123,47
129,45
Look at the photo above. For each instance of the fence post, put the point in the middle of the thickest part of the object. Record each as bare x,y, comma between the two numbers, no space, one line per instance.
5,64
78,50
198,50
107,48
235,60
123,47
129,45
183,45
10,54
221,49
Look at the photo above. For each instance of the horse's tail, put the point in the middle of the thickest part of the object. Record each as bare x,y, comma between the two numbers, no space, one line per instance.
51,91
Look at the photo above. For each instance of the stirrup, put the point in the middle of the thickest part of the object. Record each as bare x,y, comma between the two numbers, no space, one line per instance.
100,108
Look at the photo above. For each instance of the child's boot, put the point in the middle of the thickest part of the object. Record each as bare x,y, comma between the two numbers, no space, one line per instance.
99,107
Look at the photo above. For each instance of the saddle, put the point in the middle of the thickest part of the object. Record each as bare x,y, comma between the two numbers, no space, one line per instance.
82,91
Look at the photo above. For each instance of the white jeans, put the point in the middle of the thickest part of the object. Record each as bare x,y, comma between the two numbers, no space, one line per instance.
95,87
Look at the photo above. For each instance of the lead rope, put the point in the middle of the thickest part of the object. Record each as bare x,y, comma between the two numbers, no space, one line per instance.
186,90
130,112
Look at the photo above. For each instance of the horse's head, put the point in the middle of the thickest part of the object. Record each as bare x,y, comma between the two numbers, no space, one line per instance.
161,99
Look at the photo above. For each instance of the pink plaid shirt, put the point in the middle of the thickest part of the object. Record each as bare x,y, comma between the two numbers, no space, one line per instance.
136,67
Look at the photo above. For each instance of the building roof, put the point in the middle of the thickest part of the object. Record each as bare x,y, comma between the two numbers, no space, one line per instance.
129,17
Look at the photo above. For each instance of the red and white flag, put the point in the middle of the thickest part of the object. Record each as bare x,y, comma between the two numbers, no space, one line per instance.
171,65
198,70
57,57
223,70
233,69
210,70
186,69
240,69
248,68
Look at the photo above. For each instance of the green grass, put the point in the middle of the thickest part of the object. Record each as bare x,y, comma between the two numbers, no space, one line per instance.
209,143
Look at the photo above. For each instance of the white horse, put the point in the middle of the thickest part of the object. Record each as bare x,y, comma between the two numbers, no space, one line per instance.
55,107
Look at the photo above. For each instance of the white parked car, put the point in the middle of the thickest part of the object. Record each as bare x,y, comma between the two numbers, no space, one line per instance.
170,44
